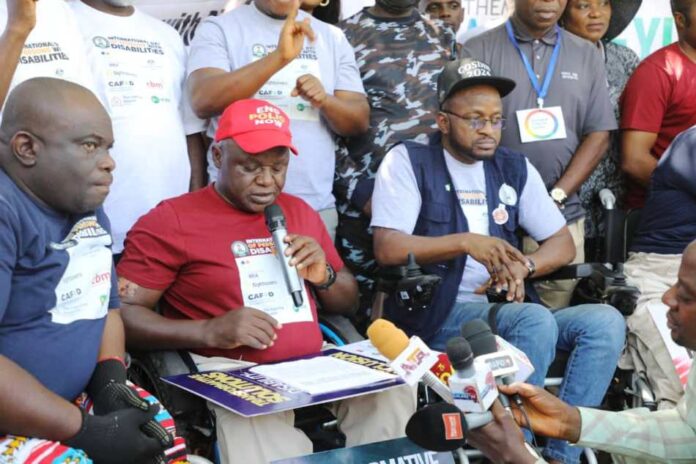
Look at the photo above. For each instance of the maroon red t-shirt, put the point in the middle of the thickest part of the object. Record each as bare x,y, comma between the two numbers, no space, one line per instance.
186,247
660,98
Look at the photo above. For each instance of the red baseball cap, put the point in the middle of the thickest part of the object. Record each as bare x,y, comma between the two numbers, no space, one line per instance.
256,126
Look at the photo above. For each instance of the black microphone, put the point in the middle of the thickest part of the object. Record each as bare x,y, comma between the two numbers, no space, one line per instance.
473,390
275,222
443,427
461,356
479,336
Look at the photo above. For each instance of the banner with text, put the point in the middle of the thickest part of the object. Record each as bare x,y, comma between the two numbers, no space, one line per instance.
329,376
652,28
399,451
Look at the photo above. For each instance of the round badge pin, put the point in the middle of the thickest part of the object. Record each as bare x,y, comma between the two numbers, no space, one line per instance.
507,195
500,215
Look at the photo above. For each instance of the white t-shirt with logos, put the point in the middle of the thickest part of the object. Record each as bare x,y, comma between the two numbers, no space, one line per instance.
244,35
396,204
139,65
54,47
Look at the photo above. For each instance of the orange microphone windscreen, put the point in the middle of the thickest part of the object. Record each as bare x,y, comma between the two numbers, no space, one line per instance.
387,338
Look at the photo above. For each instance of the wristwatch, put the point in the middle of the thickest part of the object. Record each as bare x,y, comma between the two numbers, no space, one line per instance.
531,267
329,280
559,196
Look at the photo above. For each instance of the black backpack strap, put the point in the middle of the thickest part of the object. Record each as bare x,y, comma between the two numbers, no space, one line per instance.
492,317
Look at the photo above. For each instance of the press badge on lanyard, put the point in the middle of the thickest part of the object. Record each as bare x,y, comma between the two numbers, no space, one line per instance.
540,124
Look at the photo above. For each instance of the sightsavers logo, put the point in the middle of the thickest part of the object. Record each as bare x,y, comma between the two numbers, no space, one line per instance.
268,115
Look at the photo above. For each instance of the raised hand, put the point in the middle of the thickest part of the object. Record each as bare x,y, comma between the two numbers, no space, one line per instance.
293,34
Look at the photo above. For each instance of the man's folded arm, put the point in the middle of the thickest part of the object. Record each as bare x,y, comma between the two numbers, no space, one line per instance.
30,409
392,247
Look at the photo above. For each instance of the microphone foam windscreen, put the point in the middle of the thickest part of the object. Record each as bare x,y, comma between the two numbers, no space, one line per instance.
389,340
273,213
437,427
459,353
480,337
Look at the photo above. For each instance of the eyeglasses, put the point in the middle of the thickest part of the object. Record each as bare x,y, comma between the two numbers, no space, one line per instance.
477,123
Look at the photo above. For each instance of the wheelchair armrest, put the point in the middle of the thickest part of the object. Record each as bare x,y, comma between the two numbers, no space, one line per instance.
342,326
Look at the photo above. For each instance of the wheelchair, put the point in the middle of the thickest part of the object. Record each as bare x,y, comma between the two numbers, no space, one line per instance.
196,423
598,282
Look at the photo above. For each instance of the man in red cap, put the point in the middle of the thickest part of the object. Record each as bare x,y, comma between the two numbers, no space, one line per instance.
201,255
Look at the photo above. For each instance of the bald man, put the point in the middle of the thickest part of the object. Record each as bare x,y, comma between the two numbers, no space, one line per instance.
60,330
633,436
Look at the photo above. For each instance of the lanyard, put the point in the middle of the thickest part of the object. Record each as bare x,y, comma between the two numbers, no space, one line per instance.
541,90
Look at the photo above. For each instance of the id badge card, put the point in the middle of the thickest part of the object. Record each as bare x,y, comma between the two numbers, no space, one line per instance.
540,124
262,282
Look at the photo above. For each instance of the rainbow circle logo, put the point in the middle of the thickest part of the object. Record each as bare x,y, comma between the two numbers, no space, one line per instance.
541,124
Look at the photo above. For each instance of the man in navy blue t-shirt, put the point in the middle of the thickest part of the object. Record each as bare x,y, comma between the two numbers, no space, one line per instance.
60,329
667,226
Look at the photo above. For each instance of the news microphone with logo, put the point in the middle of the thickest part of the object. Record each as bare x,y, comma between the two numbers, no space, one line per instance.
443,427
442,368
484,344
472,385
410,359
275,222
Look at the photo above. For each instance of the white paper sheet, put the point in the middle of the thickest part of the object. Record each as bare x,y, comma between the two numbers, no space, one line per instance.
322,374
364,348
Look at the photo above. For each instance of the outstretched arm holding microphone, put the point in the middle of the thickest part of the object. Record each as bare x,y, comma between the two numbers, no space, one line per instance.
637,435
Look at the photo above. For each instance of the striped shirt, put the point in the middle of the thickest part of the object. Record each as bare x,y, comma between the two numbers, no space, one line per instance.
639,436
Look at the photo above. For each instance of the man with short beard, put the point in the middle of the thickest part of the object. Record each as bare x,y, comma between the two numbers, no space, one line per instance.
559,116
457,204
138,64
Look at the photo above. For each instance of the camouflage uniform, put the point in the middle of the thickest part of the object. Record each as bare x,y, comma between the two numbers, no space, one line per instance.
399,63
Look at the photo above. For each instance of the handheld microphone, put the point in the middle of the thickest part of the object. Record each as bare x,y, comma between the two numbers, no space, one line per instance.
442,368
410,359
443,427
473,385
275,222
484,345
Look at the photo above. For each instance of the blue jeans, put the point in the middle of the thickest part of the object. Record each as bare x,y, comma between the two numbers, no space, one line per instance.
593,334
